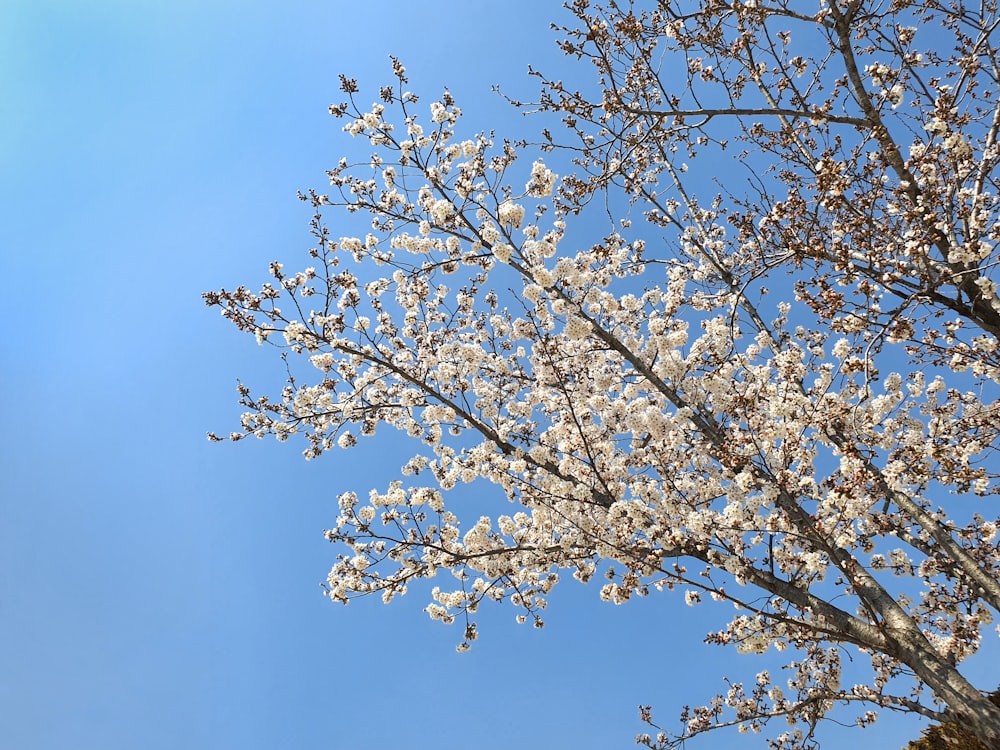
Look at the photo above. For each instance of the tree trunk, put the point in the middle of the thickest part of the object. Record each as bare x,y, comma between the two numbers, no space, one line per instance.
967,707
980,717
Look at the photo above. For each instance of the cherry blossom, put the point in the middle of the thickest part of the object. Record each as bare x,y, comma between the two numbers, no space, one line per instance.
772,389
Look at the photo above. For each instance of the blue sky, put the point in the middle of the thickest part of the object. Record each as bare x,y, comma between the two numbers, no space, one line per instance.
159,591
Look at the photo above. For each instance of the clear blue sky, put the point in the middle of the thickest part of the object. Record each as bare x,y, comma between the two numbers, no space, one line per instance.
158,591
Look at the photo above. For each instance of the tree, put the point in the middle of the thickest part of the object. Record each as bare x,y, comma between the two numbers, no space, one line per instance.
776,390
949,736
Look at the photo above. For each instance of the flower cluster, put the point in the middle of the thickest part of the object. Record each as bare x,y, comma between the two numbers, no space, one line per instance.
654,415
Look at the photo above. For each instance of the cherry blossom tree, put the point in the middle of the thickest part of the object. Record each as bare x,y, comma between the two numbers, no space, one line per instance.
767,378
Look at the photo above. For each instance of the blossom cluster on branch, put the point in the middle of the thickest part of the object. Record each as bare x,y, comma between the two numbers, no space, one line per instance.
778,391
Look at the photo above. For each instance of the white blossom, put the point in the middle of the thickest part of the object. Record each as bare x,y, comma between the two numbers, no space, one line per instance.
770,390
